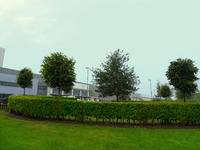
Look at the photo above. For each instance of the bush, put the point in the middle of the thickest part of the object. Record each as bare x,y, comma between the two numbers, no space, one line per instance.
122,101
139,112
156,99
50,97
139,100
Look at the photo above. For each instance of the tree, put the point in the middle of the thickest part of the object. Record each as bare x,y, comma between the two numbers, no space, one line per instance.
165,91
180,95
24,79
158,90
194,97
115,77
182,75
58,72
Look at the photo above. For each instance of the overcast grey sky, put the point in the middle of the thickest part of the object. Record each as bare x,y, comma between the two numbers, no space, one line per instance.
153,32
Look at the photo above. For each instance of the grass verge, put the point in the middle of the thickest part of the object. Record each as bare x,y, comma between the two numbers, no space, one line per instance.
18,134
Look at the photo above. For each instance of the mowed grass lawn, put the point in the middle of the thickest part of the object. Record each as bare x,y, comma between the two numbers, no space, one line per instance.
18,134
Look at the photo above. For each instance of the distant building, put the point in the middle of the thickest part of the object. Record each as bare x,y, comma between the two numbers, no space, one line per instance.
2,53
79,90
138,97
8,86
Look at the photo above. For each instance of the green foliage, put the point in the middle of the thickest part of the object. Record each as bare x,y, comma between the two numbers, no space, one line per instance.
180,95
165,91
156,99
182,75
142,112
58,72
50,97
194,97
24,79
116,77
123,101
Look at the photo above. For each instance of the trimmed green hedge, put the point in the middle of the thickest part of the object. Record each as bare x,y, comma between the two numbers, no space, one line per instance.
48,97
138,112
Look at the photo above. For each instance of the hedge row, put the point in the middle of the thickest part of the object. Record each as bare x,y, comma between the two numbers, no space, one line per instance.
138,112
47,97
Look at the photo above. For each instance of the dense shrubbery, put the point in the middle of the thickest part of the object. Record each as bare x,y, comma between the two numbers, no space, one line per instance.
137,112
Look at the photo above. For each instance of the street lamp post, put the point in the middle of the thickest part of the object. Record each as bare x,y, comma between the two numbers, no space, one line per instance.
150,86
87,81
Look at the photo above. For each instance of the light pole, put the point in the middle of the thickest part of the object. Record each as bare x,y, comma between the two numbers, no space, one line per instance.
150,86
87,80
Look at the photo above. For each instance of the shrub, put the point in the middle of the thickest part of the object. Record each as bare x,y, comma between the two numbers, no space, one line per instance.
156,99
51,97
139,112
122,101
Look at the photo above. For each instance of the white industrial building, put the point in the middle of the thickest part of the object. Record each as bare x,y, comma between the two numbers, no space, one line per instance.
8,86
2,53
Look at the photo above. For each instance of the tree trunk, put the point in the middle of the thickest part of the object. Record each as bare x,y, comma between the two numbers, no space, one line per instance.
59,91
117,97
24,91
184,97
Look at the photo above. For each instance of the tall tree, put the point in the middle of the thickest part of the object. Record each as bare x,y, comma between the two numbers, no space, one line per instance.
165,91
182,74
24,79
58,72
180,95
115,77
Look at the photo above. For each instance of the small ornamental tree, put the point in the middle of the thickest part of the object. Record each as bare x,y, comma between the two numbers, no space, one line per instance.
182,75
24,79
58,72
165,91
115,77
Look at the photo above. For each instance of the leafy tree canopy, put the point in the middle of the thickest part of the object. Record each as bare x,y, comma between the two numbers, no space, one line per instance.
24,78
115,77
165,91
182,75
58,71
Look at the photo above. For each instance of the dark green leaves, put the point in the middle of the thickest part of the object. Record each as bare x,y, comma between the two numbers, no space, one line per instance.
115,77
182,75
165,91
24,78
58,71
141,112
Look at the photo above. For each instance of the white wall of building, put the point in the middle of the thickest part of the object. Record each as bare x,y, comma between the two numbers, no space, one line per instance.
8,77
2,53
16,90
78,85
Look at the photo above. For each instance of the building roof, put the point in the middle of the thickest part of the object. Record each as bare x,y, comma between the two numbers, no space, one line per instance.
15,72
